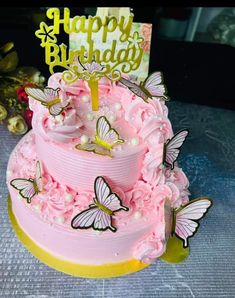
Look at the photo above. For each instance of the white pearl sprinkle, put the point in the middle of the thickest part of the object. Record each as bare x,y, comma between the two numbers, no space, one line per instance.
135,141
37,207
9,173
112,118
68,197
60,219
85,98
59,118
117,106
161,127
98,232
137,215
89,116
84,139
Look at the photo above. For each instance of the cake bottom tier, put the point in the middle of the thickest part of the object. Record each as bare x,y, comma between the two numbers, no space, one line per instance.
85,253
74,269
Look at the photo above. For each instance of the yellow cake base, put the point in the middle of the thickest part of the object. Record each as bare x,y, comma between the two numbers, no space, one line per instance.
86,271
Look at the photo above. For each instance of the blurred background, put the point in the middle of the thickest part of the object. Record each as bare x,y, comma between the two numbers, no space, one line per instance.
194,47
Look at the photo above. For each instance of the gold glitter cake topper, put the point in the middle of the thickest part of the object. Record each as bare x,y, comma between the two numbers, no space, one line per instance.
93,60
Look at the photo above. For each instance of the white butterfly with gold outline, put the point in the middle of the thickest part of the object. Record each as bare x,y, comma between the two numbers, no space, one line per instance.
49,98
99,214
105,139
28,188
151,87
184,221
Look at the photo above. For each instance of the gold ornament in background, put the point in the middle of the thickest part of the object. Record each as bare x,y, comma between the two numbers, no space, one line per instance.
12,78
8,60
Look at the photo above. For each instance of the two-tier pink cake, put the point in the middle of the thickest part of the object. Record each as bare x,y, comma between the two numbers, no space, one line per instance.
135,172
94,188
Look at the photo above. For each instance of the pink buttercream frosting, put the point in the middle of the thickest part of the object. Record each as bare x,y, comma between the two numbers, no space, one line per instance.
149,249
155,130
178,182
59,202
152,165
135,173
138,111
153,245
139,198
64,127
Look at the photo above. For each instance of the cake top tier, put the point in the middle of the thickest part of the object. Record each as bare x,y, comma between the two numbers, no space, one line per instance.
120,110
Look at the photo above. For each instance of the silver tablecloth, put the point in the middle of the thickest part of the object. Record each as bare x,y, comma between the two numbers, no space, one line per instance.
208,159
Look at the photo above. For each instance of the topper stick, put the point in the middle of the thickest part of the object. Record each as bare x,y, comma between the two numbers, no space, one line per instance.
93,84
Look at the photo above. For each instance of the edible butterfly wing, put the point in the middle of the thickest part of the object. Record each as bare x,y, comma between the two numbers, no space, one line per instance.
99,215
105,196
172,148
51,93
85,219
58,108
29,187
25,188
103,221
46,97
38,177
102,190
134,88
186,219
93,217
91,67
37,93
153,85
93,147
114,203
106,133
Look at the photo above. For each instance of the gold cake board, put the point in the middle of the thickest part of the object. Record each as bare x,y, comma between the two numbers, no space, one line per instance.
86,271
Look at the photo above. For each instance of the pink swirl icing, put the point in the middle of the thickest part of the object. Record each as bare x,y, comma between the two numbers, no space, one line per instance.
178,182
149,249
139,198
138,111
155,130
76,89
64,127
159,194
81,202
51,203
152,166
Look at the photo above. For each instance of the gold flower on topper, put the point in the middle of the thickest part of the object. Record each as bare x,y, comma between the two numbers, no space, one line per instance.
135,40
46,34
106,47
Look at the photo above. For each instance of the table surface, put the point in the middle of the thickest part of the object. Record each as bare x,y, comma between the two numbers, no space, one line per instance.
208,159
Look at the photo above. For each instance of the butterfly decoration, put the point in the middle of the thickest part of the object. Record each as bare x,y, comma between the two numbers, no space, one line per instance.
28,188
185,220
151,87
105,139
171,149
91,67
99,214
49,98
